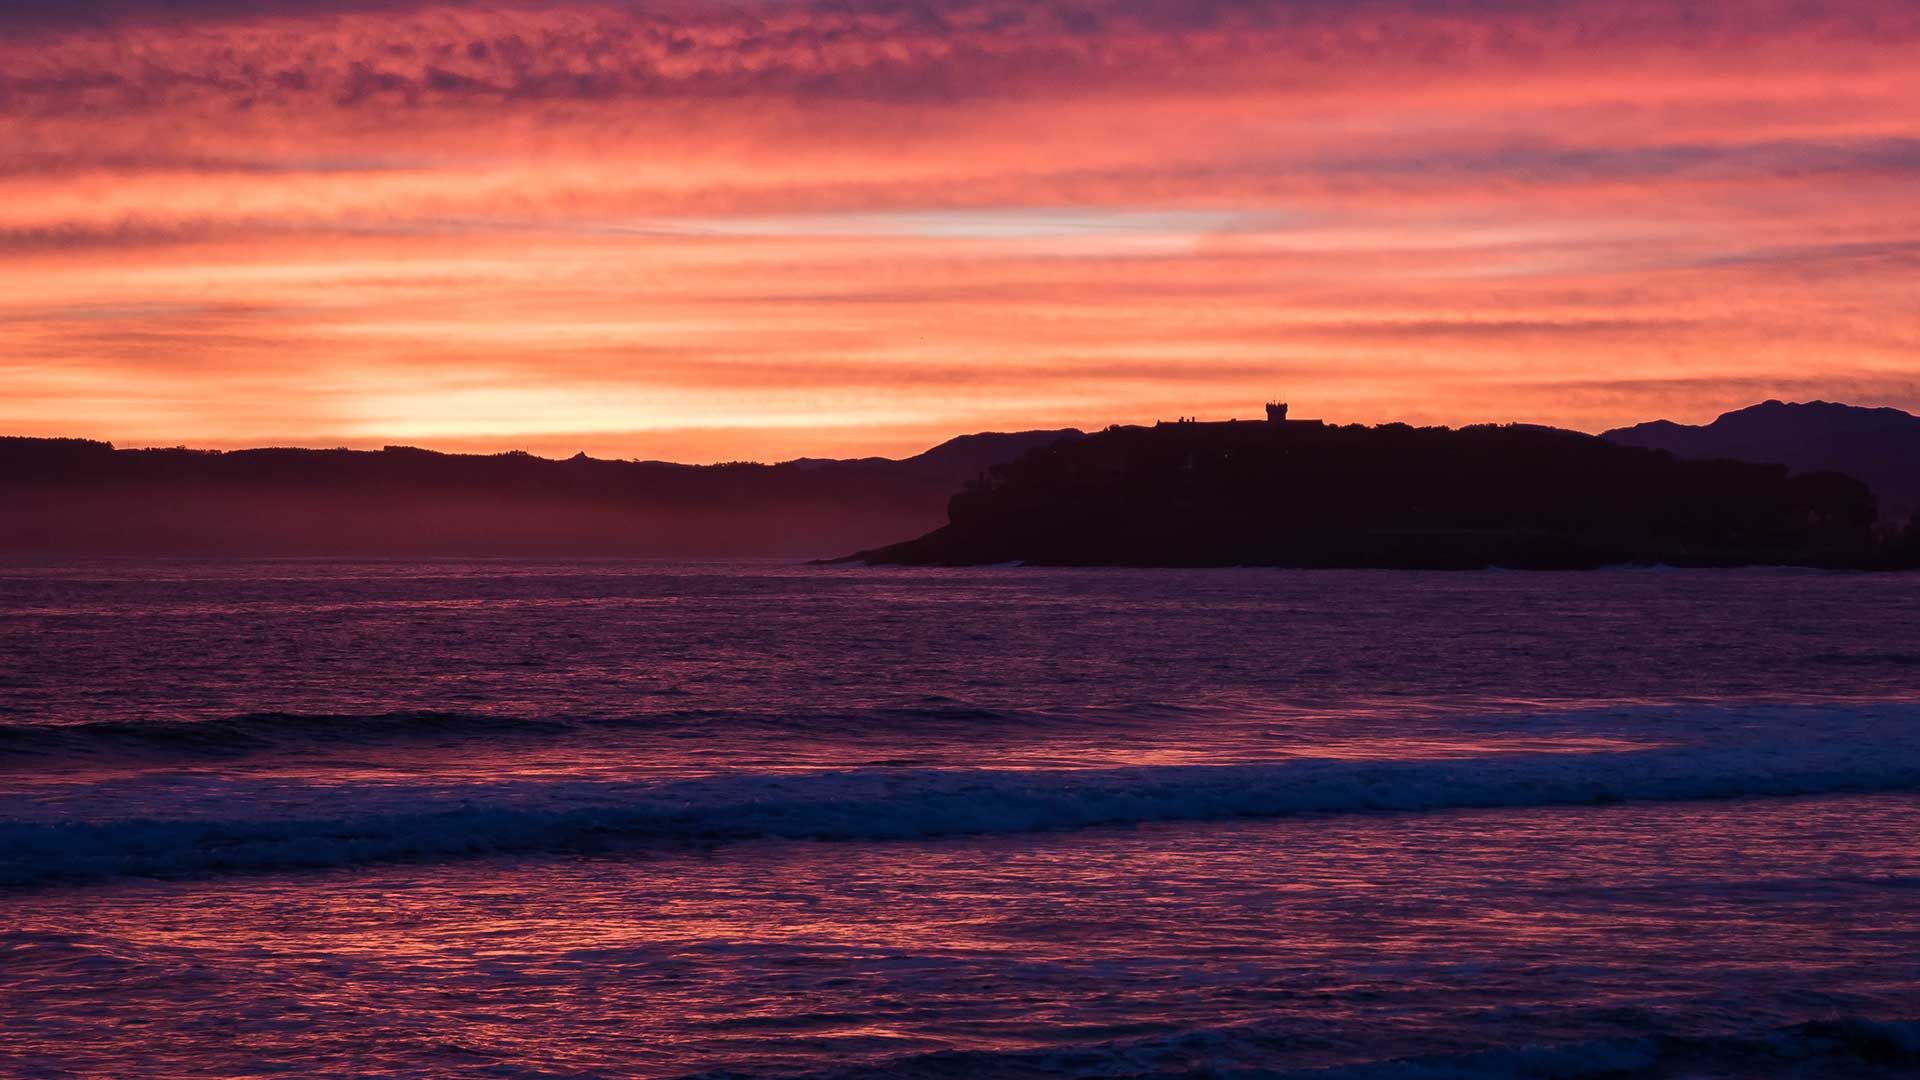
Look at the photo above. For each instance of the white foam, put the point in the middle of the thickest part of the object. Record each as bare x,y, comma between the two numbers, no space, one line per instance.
238,827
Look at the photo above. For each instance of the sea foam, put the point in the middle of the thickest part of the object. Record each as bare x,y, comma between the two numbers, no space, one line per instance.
277,824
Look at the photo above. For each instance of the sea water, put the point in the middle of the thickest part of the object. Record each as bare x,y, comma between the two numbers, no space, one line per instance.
544,819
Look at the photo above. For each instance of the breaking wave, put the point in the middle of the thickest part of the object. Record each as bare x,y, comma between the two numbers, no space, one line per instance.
343,824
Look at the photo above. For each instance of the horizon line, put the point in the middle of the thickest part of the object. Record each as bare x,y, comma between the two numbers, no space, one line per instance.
584,455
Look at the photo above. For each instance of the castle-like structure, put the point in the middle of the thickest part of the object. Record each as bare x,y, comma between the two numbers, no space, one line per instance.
1276,417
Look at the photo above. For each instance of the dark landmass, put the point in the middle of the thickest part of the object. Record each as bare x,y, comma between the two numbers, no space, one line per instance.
1880,446
1306,495
1291,493
74,496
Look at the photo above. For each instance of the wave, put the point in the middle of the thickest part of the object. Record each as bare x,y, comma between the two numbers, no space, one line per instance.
254,733
162,741
259,733
346,824
1853,1047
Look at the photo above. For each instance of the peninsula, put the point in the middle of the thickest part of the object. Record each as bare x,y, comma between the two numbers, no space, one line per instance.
1284,492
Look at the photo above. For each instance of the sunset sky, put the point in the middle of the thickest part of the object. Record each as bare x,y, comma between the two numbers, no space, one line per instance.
710,230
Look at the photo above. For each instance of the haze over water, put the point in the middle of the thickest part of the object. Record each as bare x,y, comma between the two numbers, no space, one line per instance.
652,819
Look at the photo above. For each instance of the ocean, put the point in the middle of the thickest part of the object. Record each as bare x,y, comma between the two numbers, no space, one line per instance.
645,819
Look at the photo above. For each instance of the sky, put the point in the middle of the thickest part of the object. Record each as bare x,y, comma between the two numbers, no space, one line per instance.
755,230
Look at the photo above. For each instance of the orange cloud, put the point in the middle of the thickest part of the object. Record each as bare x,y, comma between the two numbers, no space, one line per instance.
772,229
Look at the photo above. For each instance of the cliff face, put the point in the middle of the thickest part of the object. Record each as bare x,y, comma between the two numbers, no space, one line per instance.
1391,496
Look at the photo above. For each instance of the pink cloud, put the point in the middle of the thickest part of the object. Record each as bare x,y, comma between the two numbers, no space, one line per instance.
522,222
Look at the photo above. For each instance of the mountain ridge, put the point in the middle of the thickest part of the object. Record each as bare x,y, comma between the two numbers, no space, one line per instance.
1880,445
79,496
86,496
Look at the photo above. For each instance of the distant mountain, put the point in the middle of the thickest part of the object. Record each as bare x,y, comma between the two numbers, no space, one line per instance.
967,456
958,460
1302,494
1880,446
68,496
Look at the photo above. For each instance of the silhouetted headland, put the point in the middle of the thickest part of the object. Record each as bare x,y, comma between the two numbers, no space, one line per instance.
1273,492
1298,493
70,496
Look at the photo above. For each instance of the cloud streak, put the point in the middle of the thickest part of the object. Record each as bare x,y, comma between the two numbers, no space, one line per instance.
531,222
164,55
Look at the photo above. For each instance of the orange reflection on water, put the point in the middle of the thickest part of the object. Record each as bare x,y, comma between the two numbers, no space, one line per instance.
779,955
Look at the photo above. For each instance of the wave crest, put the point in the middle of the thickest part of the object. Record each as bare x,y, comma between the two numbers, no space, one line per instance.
345,824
